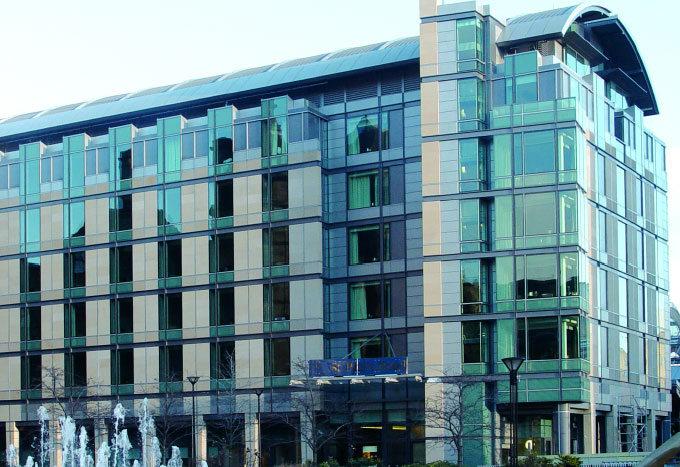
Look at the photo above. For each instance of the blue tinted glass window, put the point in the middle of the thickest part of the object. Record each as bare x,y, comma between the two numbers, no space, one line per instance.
254,134
188,146
151,150
202,143
240,137
295,128
45,170
14,175
138,154
3,177
103,160
91,162
58,168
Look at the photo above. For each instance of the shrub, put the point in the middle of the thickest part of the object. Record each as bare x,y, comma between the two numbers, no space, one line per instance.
534,460
567,460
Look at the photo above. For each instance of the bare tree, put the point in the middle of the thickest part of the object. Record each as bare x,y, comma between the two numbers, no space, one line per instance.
322,418
66,400
171,424
227,427
455,409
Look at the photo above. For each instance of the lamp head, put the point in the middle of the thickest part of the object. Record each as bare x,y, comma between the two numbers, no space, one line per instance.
193,379
513,363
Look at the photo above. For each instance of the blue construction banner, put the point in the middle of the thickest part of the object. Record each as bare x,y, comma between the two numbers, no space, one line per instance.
357,367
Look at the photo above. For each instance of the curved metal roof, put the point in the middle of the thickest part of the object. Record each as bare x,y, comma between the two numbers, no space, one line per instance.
325,65
546,24
598,32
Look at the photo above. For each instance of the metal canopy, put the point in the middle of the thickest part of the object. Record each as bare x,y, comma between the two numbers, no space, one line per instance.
550,24
599,36
623,53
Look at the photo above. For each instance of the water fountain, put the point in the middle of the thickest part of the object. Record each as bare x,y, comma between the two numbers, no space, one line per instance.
11,456
176,458
43,443
68,441
74,449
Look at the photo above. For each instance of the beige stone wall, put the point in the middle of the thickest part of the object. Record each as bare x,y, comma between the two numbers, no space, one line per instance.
9,232
144,214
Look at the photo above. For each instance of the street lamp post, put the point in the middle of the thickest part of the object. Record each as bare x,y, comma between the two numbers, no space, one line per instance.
193,380
258,393
513,364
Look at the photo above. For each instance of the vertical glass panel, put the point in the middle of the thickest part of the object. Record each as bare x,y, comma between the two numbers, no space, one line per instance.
277,136
33,226
103,160
151,152
623,351
568,212
526,89
174,258
468,100
362,134
470,41
188,146
295,128
505,278
91,162
526,62
520,279
124,161
362,189
469,220
539,152
542,207
502,160
3,177
173,206
475,342
240,137
225,252
364,244
275,246
498,92
14,176
469,160
541,274
503,212
392,129
567,149
45,170
254,134
171,153
569,275
138,154
77,169
547,89
543,338
474,286
225,198
201,138
77,219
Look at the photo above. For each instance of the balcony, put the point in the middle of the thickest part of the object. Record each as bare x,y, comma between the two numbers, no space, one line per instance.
535,113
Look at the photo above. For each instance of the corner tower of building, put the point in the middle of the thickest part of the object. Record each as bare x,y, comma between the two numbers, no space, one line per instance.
544,230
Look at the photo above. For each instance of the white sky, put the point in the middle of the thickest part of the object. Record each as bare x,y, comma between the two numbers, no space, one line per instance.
61,52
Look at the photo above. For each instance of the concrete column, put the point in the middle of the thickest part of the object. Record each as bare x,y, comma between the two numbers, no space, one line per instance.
306,453
201,440
612,430
650,436
589,431
11,436
562,429
434,451
252,433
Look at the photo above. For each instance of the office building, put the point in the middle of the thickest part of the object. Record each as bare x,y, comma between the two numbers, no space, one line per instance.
424,206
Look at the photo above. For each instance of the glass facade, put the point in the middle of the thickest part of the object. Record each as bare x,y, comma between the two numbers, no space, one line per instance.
519,209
